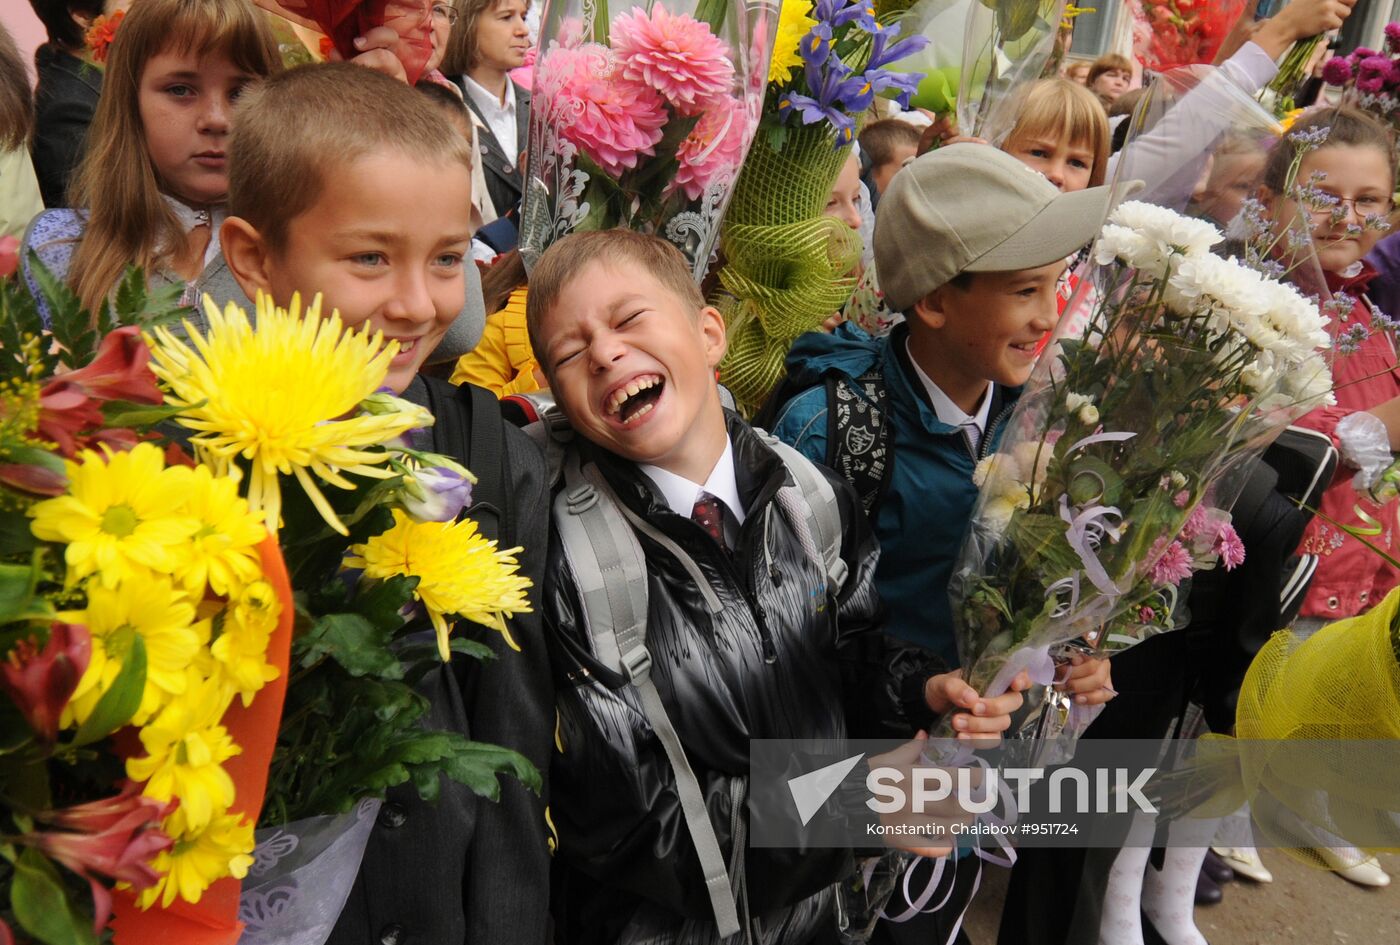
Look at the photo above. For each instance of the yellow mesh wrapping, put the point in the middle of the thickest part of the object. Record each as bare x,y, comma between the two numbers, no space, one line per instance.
1305,700
787,267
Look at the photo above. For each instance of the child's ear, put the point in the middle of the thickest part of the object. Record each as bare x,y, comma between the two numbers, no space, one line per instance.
247,255
714,334
929,309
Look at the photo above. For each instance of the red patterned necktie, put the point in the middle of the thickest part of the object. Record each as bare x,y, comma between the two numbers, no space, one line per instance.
709,515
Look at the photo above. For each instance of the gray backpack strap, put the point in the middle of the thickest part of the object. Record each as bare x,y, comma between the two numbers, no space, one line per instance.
816,507
610,571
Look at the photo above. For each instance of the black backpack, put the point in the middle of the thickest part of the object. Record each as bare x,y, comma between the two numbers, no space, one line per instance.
857,432
468,407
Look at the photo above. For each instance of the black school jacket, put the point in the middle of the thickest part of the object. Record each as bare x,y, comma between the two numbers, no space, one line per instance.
64,101
468,870
780,661
503,180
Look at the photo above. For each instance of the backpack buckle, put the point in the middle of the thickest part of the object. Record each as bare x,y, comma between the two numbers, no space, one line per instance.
636,664
581,498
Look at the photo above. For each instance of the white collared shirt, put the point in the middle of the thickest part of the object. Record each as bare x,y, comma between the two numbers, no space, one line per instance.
681,494
500,116
949,412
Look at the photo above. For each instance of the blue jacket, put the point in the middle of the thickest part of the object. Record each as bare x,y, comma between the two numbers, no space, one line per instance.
922,518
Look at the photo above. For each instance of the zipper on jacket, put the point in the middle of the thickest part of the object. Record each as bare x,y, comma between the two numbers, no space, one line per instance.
984,447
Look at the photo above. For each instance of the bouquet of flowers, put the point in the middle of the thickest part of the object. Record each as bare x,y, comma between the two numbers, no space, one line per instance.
1371,79
1107,487
148,601
642,120
341,21
1181,32
788,267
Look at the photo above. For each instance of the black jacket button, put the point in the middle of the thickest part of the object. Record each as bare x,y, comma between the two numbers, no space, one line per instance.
391,815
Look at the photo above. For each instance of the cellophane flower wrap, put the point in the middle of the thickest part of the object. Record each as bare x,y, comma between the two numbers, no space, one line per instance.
174,507
343,21
1370,78
1171,33
1006,44
1105,490
787,267
640,117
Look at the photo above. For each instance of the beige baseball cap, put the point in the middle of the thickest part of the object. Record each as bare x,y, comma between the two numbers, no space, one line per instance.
975,208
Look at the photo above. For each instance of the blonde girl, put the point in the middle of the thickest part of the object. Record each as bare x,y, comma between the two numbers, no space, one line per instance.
151,187
1061,130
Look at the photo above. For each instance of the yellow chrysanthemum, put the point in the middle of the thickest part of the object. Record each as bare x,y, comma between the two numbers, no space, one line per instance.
240,650
223,551
794,22
284,397
458,572
185,750
123,515
198,860
147,606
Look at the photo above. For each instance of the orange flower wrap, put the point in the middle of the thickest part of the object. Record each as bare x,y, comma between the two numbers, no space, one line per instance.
214,919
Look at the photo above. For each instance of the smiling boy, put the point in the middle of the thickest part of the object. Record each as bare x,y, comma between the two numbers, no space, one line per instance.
746,633
351,184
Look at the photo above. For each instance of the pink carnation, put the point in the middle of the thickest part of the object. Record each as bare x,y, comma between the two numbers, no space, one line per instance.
612,120
1172,564
1196,522
714,145
1337,71
676,55
1229,547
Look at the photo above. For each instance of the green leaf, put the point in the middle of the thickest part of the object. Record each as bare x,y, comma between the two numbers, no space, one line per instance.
425,651
41,904
131,295
70,324
358,645
17,583
124,413
381,602
477,767
15,536
119,703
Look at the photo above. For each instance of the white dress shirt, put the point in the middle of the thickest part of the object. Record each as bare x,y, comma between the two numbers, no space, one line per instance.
681,494
500,116
950,413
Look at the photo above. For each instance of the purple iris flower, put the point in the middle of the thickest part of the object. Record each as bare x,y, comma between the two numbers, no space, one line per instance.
816,45
906,82
883,51
841,12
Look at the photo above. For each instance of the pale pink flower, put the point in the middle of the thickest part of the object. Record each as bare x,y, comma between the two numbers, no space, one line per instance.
1146,615
1196,522
714,145
1172,562
612,120
676,55
1182,499
1229,547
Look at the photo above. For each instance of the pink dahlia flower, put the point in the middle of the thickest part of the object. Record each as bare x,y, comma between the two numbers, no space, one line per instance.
1230,548
1372,73
1172,564
612,120
1392,36
676,55
714,145
1337,71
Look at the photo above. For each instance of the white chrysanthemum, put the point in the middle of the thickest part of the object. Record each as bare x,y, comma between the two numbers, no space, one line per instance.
1309,384
1184,235
1149,257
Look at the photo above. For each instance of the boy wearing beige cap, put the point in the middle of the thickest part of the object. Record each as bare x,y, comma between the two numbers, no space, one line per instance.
970,244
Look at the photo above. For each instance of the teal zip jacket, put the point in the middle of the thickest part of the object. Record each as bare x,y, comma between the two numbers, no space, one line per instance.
923,516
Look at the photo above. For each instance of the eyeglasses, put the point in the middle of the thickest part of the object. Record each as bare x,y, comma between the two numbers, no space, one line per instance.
1367,205
445,11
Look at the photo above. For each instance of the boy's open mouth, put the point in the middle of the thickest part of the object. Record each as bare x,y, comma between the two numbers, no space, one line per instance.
635,399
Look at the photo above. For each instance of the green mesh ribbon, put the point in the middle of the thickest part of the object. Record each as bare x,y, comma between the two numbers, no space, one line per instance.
787,267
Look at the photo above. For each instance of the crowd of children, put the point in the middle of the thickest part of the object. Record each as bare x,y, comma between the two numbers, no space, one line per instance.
782,586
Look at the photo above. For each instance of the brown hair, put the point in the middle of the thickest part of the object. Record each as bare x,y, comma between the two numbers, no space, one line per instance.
462,51
295,129
505,274
563,262
127,221
879,139
1109,62
16,102
1062,110
57,17
1347,127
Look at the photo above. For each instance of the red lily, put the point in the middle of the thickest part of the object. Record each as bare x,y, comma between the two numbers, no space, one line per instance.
40,682
72,403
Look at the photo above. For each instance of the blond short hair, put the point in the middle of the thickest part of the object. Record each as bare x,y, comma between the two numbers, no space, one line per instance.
1062,110
562,263
294,130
